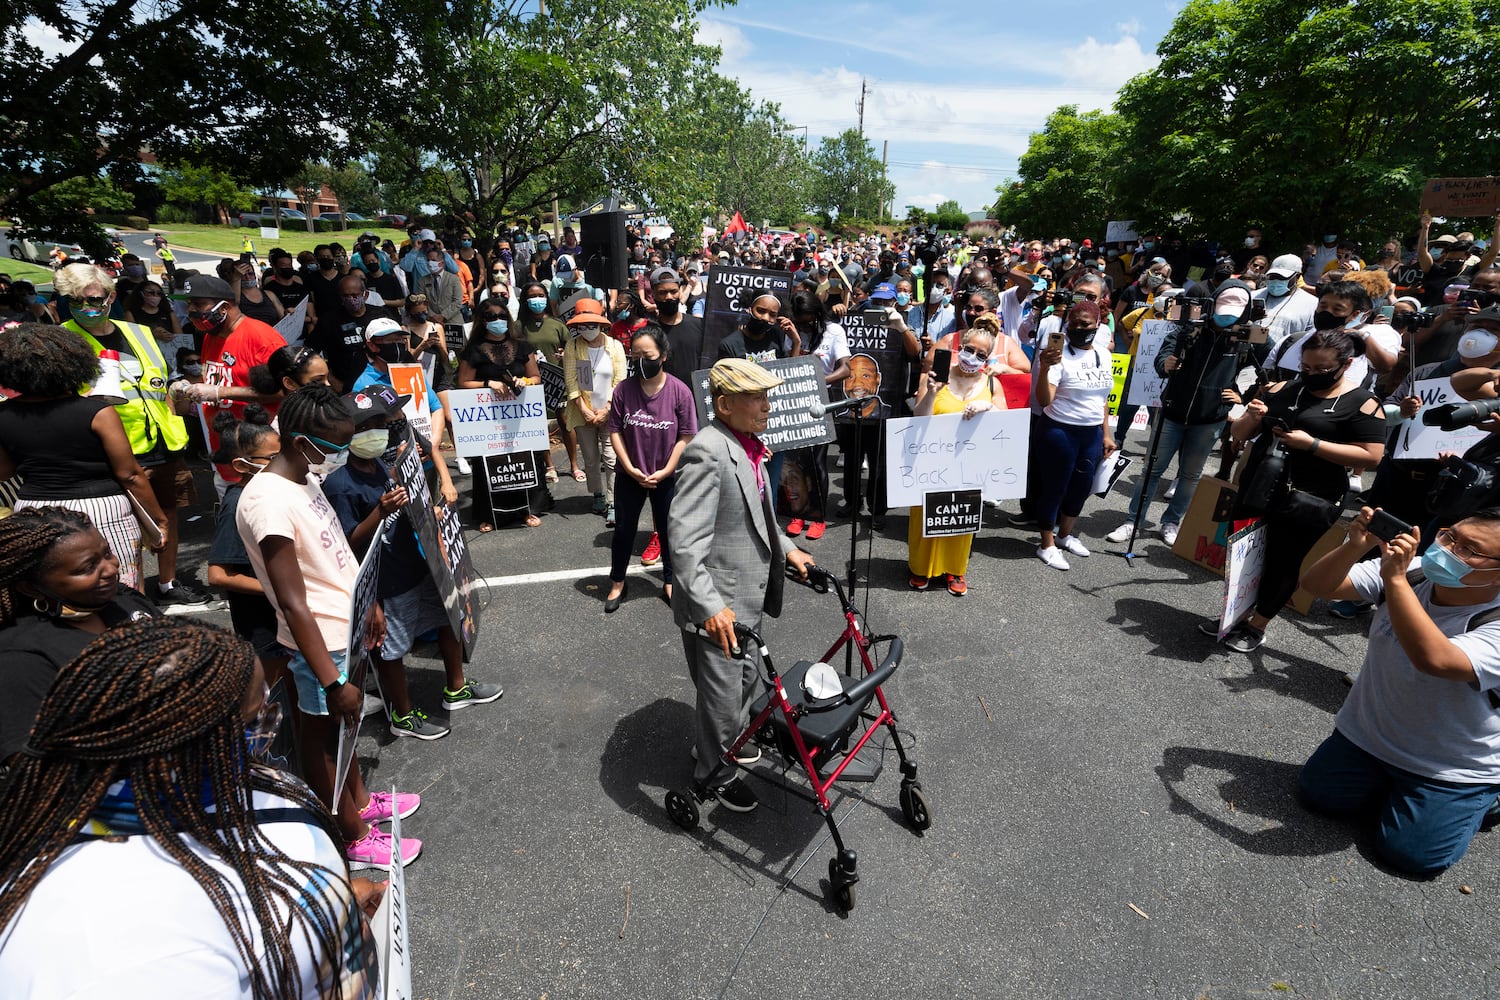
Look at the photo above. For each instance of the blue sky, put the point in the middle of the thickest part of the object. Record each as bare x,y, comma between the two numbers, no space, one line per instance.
956,86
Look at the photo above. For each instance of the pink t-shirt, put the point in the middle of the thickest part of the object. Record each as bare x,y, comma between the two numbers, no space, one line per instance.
275,507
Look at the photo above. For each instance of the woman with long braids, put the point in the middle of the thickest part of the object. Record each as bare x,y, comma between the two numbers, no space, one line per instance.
224,876
59,590
307,570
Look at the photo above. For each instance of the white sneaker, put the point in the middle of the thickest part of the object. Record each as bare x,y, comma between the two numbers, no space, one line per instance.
1171,491
1169,533
1073,545
1052,557
463,466
1120,534
1356,482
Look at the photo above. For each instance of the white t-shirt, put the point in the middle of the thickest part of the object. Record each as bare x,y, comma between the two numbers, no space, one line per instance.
1083,381
1430,726
1287,315
1359,373
274,507
602,376
124,920
833,348
1012,304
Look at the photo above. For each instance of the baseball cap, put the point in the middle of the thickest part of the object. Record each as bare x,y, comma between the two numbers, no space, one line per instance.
1285,266
208,286
426,235
565,262
662,275
724,255
375,401
884,290
382,327
732,376
1445,240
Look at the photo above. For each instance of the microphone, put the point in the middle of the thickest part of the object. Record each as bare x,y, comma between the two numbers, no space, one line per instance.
818,408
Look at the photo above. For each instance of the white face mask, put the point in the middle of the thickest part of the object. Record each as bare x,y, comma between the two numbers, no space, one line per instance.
1478,342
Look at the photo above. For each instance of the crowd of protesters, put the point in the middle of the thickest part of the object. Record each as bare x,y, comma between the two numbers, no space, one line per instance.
1299,361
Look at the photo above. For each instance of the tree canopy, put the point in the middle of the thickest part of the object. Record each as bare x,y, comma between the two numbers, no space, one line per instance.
848,180
1065,176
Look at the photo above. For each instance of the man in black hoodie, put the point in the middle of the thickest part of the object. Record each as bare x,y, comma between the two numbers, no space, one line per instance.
1200,364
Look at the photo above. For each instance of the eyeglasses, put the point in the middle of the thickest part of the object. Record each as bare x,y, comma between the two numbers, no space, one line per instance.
1462,549
1319,371
90,300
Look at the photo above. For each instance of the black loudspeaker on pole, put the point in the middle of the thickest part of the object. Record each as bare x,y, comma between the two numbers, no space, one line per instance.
601,250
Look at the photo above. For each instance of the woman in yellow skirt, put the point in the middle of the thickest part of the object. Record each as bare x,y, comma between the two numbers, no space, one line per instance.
967,391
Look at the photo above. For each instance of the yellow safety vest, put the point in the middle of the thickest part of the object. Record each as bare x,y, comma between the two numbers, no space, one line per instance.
148,417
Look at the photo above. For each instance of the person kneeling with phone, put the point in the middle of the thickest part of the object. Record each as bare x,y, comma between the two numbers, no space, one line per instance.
1417,742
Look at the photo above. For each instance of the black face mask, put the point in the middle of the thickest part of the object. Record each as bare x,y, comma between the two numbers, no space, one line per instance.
1322,381
1079,339
649,368
669,307
757,328
392,354
283,272
1323,319
326,264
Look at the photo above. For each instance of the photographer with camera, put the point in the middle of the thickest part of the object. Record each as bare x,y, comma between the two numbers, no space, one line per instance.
1289,303
1310,429
1417,742
1200,360
1439,329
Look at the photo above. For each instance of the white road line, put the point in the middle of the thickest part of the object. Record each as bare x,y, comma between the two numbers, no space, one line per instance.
563,574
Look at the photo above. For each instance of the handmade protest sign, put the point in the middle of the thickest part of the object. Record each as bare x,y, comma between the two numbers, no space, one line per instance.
357,654
1120,231
1119,368
391,928
456,557
292,324
952,512
877,364
946,452
730,292
1145,384
1461,197
1247,559
1415,439
554,385
791,424
485,424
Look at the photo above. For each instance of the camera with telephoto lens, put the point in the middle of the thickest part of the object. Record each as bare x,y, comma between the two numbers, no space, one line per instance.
1413,321
1463,486
1452,416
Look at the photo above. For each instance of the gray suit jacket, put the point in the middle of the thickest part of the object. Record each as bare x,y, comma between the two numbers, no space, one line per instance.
727,550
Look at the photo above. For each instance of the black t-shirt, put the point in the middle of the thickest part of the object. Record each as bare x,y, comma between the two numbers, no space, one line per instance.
324,290
252,615
737,345
287,295
1334,419
353,494
55,450
34,649
689,352
341,337
388,286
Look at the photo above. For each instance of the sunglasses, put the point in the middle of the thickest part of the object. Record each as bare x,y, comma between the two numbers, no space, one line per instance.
91,300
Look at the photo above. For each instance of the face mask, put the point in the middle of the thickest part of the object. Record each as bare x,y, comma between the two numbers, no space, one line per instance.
1323,380
283,272
468,243
1226,320
353,303
328,462
623,315
1249,241
497,327
372,266
1325,320
1079,339
326,263
903,299
536,305
757,328
1277,288
392,354
648,367
935,295
192,371
1478,342
1331,239
434,266
1112,254
369,444
56,608
968,361
1066,259
89,313
1154,280
135,271
420,317
207,322
918,270
1148,244
1033,255
669,307
1444,568
588,332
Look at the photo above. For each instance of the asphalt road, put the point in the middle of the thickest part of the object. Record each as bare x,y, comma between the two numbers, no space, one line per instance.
140,244
1112,800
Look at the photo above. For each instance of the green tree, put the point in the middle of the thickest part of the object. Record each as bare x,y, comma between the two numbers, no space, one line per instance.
950,215
208,187
917,216
353,189
1065,176
1309,117
307,184
848,179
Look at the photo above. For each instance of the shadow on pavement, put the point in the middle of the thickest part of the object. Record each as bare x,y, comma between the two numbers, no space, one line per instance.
1317,684
1254,807
1172,632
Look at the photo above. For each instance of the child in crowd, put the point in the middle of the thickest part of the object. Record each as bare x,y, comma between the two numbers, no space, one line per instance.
370,508
304,563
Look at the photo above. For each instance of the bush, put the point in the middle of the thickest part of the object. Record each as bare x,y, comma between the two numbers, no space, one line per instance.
137,222
169,213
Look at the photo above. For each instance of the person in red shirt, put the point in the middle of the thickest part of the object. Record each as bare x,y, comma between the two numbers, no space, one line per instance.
233,343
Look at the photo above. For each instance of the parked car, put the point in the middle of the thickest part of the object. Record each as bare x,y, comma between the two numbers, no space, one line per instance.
267,216
343,217
391,221
30,246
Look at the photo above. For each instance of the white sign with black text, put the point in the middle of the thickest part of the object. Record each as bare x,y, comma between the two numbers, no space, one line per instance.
946,452
486,424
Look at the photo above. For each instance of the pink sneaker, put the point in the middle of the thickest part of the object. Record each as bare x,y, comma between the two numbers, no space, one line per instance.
384,805
374,850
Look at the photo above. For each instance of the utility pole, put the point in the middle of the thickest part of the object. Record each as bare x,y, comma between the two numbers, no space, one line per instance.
541,9
885,153
861,107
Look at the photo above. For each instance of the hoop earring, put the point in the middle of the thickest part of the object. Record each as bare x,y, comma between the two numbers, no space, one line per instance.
40,605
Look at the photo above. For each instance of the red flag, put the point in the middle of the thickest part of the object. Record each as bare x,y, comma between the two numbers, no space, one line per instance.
737,225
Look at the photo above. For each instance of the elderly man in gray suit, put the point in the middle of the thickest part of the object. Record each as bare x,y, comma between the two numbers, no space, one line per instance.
729,561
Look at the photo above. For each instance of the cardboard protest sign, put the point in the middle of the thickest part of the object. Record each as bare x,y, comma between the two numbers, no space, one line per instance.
1120,231
391,927
291,325
730,292
407,471
1247,558
791,424
456,557
877,364
987,452
357,654
952,512
1145,384
1461,197
1415,439
554,385
485,424
411,380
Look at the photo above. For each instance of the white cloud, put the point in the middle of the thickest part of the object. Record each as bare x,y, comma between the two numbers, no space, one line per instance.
45,38
1131,27
730,39
1107,65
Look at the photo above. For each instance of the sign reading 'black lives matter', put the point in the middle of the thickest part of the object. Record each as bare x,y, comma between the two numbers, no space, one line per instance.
791,424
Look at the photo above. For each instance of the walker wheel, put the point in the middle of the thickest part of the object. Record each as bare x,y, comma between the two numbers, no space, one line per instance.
914,806
839,890
682,809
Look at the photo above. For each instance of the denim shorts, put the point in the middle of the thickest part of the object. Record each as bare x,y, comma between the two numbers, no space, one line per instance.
408,615
310,697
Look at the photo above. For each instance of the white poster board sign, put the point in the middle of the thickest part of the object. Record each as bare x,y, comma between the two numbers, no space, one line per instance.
1120,231
270,233
986,453
1415,439
391,928
485,424
292,325
1242,572
1145,384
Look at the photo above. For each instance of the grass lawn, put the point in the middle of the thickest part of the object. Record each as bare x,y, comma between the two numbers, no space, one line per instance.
226,239
30,272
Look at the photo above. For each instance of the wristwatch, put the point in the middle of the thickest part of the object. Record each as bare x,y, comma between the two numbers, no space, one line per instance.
332,686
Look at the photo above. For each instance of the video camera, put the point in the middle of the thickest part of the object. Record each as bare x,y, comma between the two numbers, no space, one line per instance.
1452,416
1193,310
1412,322
1471,482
